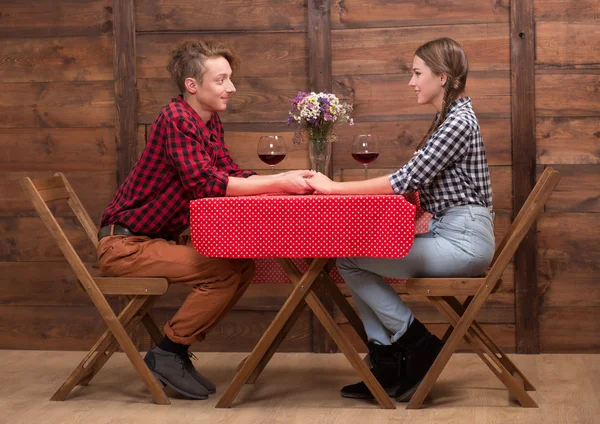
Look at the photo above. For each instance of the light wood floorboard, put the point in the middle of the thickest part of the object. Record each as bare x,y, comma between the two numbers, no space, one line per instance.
296,388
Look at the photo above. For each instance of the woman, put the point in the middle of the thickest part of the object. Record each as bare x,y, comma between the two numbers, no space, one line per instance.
450,171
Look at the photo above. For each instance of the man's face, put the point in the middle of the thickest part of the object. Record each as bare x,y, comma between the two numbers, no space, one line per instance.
212,94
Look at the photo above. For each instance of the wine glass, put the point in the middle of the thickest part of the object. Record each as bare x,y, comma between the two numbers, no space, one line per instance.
365,149
271,150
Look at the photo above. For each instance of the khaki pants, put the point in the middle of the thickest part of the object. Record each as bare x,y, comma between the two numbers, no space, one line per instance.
217,283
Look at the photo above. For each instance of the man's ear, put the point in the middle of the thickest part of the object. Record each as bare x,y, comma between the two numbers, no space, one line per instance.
191,85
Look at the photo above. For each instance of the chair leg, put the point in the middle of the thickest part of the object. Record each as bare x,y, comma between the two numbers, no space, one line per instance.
104,348
486,355
285,313
480,333
155,334
460,329
129,318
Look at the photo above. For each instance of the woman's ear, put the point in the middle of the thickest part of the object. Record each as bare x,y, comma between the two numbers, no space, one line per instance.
443,79
191,85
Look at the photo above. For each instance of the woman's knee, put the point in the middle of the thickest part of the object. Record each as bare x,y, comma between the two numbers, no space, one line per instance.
345,264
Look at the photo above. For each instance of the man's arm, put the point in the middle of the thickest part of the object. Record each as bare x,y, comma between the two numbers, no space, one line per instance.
293,182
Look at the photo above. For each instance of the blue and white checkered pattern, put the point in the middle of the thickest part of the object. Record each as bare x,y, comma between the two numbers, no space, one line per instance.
451,169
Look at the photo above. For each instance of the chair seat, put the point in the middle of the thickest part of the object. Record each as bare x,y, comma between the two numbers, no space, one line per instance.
132,285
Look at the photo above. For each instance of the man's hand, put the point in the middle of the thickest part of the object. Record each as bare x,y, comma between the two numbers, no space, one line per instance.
295,182
321,183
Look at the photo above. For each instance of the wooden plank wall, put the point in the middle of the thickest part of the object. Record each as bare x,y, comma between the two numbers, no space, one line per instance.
567,86
57,112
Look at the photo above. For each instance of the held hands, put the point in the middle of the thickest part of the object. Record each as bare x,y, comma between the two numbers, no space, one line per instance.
321,183
295,182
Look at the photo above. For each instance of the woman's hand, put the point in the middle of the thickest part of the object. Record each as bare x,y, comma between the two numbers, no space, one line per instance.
321,183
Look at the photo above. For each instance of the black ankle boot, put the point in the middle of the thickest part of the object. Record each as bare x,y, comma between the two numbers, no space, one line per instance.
384,361
420,348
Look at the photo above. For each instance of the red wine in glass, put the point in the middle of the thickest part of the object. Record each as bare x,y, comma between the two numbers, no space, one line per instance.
365,150
271,150
365,158
272,159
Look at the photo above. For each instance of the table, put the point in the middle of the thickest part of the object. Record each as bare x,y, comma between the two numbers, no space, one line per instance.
317,227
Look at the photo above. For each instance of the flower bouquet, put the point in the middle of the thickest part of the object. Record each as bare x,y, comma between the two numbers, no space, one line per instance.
317,114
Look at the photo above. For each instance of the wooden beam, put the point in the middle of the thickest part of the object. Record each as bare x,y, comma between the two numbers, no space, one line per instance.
320,78
125,78
522,45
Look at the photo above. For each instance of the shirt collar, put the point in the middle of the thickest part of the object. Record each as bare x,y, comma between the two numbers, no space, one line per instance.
458,104
211,124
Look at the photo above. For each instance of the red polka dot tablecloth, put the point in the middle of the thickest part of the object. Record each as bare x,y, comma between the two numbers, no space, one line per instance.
315,226
268,270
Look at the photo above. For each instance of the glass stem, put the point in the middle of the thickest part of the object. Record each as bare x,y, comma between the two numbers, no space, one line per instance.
366,172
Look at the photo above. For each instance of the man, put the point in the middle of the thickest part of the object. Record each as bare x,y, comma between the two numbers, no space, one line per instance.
185,158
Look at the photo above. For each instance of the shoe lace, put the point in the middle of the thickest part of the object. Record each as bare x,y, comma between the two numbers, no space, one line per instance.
181,360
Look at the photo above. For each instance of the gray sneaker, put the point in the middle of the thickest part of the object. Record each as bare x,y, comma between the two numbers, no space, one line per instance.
171,369
199,377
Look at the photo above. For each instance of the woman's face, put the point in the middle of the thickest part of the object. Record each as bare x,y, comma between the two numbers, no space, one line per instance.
429,87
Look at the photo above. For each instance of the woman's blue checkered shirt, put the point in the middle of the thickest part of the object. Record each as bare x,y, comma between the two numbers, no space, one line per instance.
451,169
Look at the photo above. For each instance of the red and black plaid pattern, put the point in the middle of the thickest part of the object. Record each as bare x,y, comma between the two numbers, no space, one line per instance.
184,159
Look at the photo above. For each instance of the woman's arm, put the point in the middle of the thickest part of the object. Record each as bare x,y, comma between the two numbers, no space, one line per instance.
324,185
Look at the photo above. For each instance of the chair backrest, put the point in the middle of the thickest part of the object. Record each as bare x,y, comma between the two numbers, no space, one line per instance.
525,218
44,190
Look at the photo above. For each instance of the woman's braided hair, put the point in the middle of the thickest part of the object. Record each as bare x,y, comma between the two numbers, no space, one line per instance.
445,56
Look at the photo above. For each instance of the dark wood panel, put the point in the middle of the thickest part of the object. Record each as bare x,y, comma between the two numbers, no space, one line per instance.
569,236
57,149
256,100
239,331
569,282
57,104
577,190
49,328
567,94
124,84
189,15
568,44
568,140
388,97
56,59
261,54
381,13
503,335
43,18
77,328
14,202
566,10
570,329
391,50
398,139
41,284
522,59
28,240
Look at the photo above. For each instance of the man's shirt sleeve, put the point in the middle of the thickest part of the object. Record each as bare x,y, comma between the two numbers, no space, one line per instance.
189,156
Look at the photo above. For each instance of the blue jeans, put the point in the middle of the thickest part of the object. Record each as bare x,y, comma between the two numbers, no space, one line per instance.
460,243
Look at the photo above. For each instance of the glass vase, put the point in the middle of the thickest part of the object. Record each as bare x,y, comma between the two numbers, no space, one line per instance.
319,152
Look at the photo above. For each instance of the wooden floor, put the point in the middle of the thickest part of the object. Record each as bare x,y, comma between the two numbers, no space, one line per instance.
296,388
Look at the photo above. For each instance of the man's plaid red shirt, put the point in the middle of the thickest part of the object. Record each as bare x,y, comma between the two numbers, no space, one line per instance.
184,159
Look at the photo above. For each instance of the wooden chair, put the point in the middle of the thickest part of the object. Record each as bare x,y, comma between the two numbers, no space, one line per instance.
442,292
142,293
